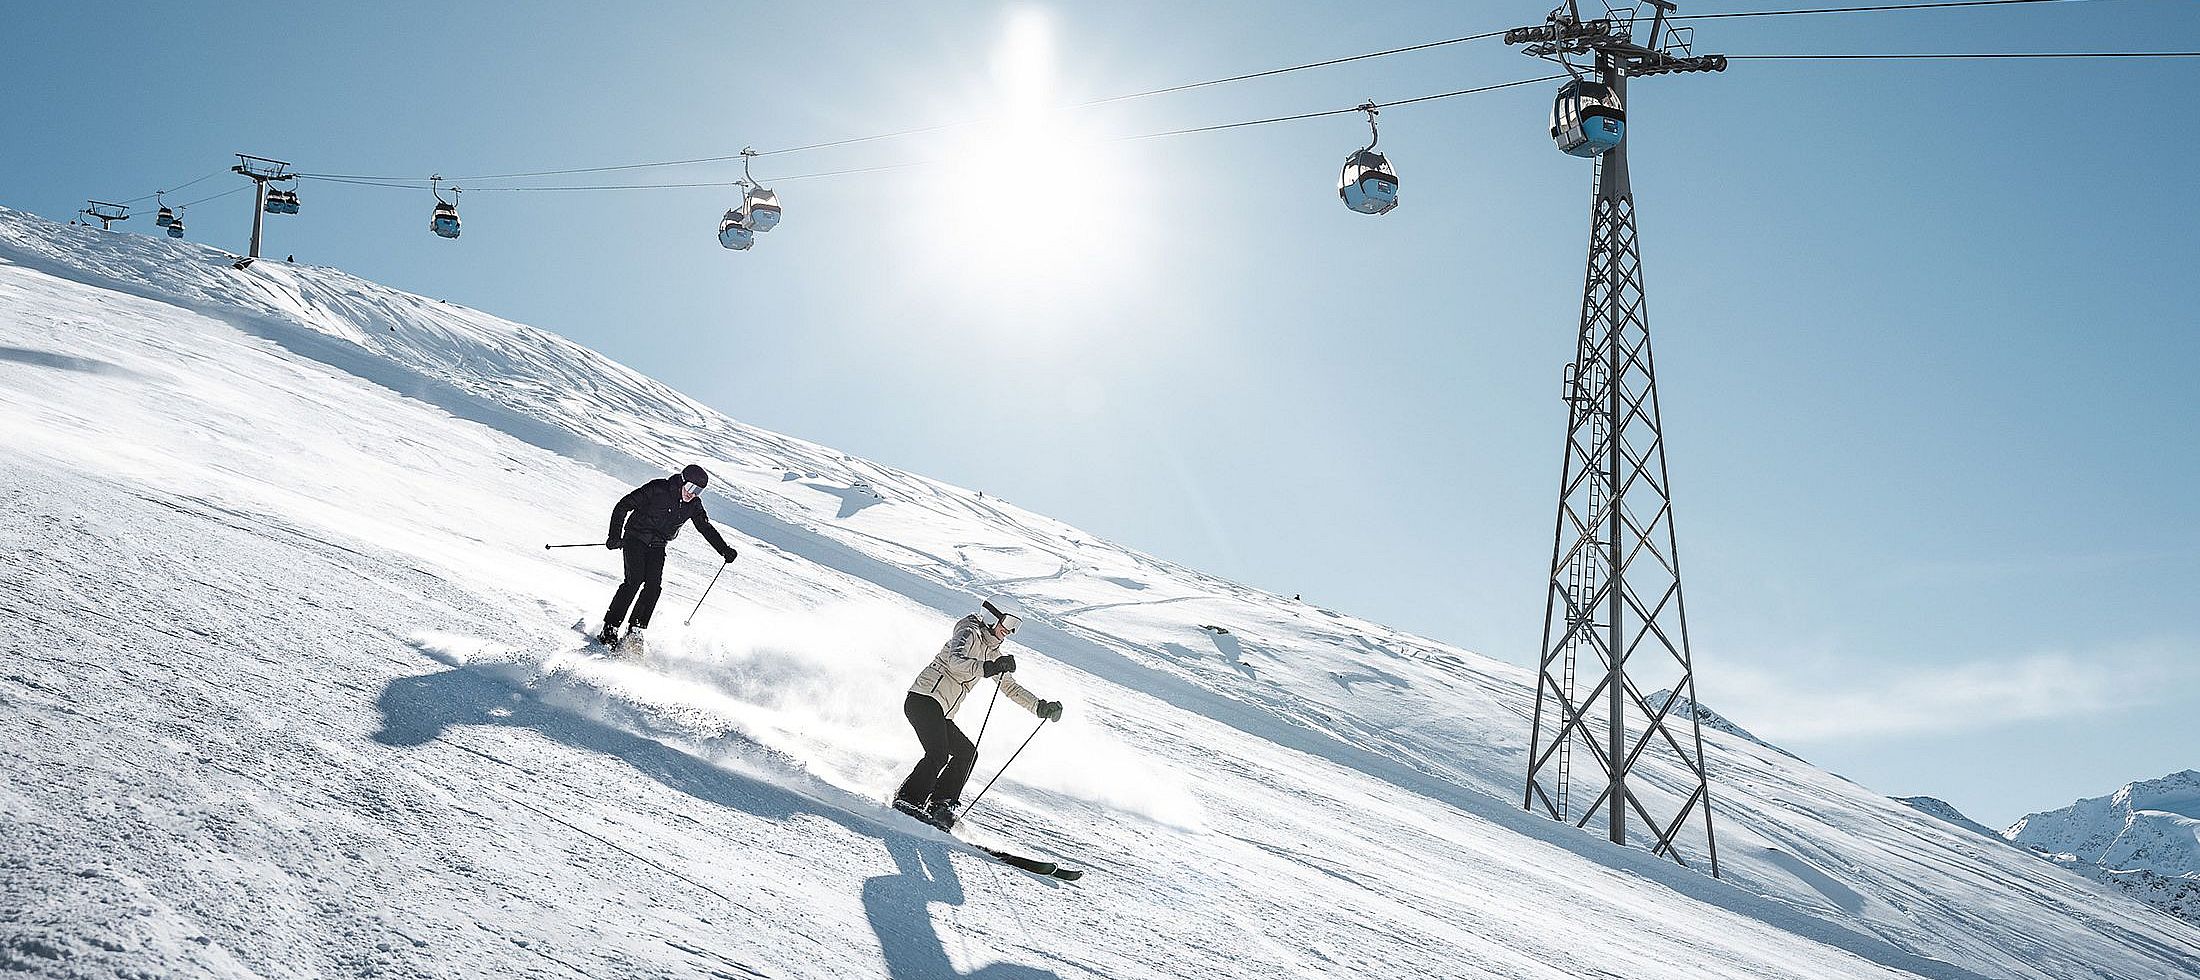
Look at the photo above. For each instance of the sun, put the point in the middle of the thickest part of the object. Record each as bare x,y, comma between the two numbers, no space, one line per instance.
1037,209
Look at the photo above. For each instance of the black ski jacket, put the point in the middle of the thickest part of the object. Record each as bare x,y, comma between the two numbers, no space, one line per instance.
653,513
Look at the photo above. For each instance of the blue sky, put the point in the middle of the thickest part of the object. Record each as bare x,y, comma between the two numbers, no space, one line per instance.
1923,329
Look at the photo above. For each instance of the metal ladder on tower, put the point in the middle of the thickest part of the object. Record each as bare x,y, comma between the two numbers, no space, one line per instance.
1581,584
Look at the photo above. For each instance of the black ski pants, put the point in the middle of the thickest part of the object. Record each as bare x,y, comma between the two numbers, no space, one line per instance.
948,754
645,573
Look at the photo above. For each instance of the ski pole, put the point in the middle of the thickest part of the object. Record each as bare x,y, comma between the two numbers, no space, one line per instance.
980,740
591,544
706,593
1004,768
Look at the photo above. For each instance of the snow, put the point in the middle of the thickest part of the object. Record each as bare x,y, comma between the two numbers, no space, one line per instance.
1944,810
1703,715
2143,839
298,693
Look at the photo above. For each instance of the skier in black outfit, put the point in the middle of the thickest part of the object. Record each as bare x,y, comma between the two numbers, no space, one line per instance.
642,524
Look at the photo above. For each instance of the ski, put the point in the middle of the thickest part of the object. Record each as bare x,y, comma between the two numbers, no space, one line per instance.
1049,869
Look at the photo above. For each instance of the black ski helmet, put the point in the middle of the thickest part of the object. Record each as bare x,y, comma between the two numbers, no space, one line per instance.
696,475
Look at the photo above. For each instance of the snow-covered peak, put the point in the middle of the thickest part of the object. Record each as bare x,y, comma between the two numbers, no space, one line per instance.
1944,810
1683,708
2178,793
2153,825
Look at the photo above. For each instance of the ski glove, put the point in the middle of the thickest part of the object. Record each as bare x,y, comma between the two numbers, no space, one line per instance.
1050,711
730,554
614,542
1003,664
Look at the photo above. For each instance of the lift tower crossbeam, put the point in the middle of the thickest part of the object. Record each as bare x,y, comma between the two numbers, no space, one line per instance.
104,213
260,170
1614,591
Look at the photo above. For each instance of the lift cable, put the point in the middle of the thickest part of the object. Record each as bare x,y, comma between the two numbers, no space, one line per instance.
926,163
1964,55
1338,112
1876,8
1248,76
416,184
717,183
406,183
171,190
213,197
1166,90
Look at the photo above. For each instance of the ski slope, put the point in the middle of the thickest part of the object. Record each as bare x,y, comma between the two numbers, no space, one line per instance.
294,690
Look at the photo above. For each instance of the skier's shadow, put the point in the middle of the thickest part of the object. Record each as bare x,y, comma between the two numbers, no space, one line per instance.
899,907
419,710
63,362
422,709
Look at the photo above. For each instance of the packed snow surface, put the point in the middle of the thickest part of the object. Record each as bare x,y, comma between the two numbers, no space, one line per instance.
293,689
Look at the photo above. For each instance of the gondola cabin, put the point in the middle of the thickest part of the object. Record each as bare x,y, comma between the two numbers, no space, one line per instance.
1587,119
734,231
165,218
444,222
763,208
175,228
1368,184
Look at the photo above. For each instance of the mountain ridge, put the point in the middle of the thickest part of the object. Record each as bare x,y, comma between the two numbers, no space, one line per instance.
2143,839
1944,810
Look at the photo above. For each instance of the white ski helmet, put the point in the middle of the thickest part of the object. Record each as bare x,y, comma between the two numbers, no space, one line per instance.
1002,612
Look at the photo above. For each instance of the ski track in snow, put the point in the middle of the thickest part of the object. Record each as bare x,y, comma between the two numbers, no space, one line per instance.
297,693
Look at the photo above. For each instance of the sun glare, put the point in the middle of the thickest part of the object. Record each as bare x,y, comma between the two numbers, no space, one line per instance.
1023,61
1034,217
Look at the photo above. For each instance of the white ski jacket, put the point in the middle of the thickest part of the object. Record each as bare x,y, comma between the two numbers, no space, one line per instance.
958,666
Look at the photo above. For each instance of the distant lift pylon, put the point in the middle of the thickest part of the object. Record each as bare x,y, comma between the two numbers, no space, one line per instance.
104,213
262,171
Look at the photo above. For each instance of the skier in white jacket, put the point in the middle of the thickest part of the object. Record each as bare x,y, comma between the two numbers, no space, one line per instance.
933,791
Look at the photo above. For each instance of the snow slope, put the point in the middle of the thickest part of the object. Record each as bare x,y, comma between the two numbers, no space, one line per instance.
2143,839
298,693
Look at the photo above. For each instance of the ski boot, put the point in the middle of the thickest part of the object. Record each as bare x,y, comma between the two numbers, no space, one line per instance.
941,814
915,810
632,644
609,638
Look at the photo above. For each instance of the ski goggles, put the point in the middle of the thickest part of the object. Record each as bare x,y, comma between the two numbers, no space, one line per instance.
690,490
1007,621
